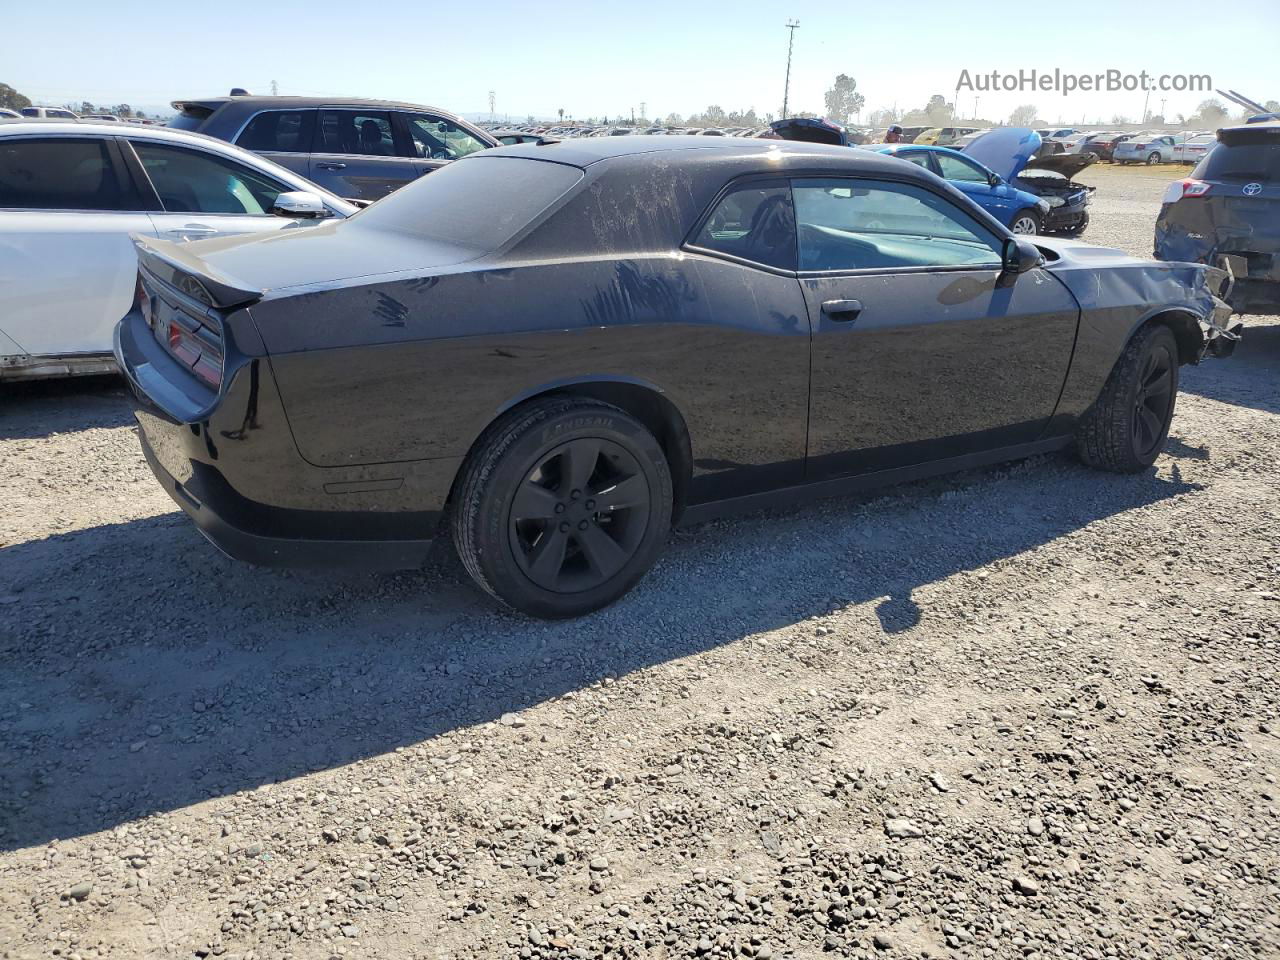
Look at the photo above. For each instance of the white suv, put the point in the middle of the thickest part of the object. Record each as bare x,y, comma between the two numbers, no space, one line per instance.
71,197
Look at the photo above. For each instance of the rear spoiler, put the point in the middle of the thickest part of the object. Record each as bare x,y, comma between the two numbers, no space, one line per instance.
173,263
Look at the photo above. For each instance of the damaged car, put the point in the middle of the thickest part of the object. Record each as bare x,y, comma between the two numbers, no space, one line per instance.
552,352
1022,158
1227,213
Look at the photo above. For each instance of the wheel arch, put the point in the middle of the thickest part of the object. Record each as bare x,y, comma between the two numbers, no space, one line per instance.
645,401
1185,327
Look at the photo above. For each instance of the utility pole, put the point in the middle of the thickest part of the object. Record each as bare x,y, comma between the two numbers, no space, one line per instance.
1145,101
643,112
275,90
1162,100
786,87
493,100
975,108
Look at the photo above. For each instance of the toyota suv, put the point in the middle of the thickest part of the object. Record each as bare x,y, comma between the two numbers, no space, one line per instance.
1227,213
357,149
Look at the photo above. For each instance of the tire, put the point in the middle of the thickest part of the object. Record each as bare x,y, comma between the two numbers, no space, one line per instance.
1114,435
1153,158
516,505
1028,219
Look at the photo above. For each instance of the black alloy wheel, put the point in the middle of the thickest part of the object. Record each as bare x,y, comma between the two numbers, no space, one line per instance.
1153,402
579,515
562,506
1127,427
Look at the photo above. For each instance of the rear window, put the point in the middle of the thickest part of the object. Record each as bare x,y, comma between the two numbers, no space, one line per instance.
190,119
60,174
480,203
1244,161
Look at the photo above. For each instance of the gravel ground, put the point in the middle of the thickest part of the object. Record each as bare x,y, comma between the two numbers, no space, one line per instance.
1024,712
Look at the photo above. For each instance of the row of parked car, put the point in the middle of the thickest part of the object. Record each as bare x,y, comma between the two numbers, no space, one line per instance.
61,113
244,164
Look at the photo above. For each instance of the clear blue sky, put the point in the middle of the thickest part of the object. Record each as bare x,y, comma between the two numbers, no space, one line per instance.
594,59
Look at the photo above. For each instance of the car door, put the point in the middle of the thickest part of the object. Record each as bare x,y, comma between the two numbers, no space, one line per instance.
203,194
67,265
434,141
359,155
285,137
923,349
974,181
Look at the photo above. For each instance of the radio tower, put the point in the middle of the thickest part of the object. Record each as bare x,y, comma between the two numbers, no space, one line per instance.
493,99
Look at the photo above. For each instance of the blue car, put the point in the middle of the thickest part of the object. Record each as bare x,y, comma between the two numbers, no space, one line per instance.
1019,210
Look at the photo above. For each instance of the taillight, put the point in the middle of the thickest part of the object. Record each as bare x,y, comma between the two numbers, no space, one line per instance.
193,341
1184,189
142,300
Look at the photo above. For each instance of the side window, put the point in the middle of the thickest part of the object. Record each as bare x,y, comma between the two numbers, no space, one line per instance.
919,158
435,138
868,225
358,132
957,168
754,222
279,131
190,181
58,174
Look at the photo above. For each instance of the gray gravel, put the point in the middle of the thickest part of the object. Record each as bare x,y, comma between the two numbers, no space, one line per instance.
1026,712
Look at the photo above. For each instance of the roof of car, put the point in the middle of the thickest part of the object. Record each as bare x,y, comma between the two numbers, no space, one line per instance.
731,156
267,102
87,127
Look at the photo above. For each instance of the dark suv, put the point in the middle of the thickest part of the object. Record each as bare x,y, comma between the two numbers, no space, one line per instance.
358,149
1227,213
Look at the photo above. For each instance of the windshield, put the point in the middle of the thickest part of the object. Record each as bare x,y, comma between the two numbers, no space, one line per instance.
480,203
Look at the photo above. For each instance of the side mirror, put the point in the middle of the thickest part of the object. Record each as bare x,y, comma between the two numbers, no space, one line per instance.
994,179
1019,256
300,205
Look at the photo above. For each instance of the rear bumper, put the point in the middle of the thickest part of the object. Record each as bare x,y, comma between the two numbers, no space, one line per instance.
272,551
229,461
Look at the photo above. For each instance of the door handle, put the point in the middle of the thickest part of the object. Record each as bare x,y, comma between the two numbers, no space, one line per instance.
331,166
842,311
192,231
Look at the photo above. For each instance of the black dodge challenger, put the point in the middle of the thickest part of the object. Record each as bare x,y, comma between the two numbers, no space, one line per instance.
557,350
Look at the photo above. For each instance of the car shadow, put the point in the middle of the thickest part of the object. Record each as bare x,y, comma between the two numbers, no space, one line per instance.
140,671
1250,377
41,408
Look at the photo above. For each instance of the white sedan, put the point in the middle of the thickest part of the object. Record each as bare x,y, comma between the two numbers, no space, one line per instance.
72,195
1194,149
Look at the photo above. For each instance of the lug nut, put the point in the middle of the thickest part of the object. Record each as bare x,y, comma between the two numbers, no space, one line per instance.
591,504
559,508
564,528
582,525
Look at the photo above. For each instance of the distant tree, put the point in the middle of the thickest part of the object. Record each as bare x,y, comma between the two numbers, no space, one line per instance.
1023,116
938,110
122,110
674,120
1211,113
843,99
881,118
1119,119
561,112
1157,120
11,99
140,114
87,107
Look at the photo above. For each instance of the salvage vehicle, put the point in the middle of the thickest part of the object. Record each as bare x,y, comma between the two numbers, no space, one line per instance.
72,193
554,351
943,136
807,130
1227,213
1193,149
357,149
1019,157
1019,210
509,137
1149,150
